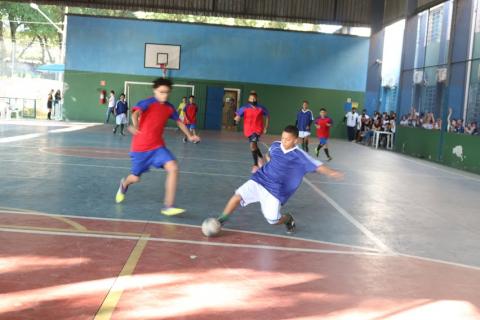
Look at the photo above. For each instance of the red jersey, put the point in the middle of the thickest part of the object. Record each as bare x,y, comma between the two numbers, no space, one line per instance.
152,122
191,111
252,119
324,130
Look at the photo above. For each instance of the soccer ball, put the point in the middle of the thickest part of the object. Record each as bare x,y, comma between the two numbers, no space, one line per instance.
211,227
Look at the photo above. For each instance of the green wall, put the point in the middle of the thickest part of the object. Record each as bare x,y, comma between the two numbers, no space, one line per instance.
83,90
426,144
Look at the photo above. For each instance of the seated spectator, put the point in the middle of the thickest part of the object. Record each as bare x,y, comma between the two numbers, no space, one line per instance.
438,124
459,127
472,128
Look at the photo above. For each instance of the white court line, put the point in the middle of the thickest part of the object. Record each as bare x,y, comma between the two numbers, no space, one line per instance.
426,164
369,250
120,167
36,135
20,137
27,212
194,242
351,219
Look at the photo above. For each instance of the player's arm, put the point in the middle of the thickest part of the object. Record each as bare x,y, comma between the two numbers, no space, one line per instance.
267,123
133,128
191,137
323,169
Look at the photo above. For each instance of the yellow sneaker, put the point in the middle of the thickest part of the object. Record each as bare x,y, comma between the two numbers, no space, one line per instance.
172,211
121,192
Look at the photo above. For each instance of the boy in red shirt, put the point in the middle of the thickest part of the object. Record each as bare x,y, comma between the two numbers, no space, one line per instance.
190,118
323,124
253,126
148,149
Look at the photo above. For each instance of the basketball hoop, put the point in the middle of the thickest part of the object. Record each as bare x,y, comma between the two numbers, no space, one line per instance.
163,66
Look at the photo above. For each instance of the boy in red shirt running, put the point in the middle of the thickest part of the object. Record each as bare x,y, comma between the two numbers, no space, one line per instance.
148,149
190,118
253,126
323,124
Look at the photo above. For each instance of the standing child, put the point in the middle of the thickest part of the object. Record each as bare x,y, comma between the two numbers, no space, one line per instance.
111,106
253,126
323,124
149,119
181,109
274,183
190,119
50,104
120,112
303,123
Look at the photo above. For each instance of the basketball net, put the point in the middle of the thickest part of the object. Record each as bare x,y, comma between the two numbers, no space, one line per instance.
163,66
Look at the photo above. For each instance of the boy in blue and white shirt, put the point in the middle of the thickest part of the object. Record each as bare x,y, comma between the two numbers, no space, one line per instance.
275,182
303,123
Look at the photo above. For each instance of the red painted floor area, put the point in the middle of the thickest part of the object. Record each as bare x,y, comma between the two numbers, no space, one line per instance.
55,268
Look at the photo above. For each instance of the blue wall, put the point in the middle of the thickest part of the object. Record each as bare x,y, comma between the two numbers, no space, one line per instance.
220,53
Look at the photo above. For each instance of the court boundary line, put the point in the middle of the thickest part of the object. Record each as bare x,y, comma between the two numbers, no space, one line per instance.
245,246
120,236
9,210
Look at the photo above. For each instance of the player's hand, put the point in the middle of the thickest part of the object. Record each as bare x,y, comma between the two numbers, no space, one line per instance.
133,130
194,138
336,175
265,131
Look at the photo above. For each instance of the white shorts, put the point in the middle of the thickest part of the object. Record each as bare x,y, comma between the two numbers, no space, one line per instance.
303,134
252,192
121,119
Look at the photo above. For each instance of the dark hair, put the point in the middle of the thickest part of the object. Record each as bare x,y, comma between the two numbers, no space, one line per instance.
192,96
305,101
252,93
292,130
161,82
111,91
323,109
122,94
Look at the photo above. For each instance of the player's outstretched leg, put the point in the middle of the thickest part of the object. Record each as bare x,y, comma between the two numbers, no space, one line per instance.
232,204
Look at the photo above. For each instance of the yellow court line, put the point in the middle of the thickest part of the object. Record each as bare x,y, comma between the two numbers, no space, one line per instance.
9,226
77,226
113,297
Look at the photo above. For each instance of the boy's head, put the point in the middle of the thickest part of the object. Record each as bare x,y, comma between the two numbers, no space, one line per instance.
161,89
323,112
289,137
252,98
184,99
122,96
305,105
191,99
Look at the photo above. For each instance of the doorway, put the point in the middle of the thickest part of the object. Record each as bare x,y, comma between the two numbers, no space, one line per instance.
231,102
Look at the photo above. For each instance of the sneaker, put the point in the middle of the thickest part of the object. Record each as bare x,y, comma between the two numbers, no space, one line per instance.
171,211
290,224
329,159
121,133
114,131
121,192
184,140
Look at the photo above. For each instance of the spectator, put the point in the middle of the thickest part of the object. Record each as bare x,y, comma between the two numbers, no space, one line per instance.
56,102
120,112
351,119
111,106
49,104
472,128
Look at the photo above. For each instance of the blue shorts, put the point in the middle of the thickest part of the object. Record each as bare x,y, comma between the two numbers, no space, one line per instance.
191,126
142,161
323,141
254,137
